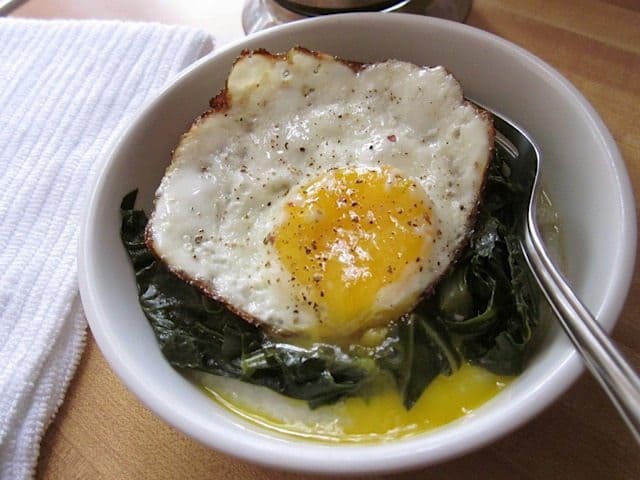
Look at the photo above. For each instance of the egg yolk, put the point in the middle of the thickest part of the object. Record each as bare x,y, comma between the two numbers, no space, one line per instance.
350,236
376,418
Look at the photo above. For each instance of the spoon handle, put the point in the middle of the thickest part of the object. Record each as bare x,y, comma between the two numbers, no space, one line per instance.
601,356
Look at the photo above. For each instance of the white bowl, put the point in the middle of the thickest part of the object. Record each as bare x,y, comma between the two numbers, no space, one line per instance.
582,171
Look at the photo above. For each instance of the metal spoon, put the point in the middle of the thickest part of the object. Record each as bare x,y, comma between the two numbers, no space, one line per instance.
600,355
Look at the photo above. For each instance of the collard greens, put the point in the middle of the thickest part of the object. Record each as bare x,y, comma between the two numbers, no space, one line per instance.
483,312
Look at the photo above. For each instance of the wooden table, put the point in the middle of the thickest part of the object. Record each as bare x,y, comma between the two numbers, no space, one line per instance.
102,431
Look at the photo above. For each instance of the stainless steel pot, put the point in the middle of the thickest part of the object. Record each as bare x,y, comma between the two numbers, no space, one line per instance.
322,7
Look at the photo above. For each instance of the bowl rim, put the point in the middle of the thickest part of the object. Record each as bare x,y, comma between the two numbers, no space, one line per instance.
379,458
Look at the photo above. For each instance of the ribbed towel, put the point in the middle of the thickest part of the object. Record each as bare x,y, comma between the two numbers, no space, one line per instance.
67,88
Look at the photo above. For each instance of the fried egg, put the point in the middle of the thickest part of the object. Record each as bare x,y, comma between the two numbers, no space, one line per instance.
322,198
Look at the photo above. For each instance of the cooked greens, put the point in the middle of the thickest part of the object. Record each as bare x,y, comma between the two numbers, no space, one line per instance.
490,300
483,312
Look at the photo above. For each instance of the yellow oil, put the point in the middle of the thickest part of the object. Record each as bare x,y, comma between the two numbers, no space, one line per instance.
378,417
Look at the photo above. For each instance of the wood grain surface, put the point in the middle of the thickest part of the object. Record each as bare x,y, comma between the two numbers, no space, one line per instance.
102,431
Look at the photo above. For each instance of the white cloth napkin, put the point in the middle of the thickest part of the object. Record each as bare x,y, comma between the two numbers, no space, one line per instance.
67,88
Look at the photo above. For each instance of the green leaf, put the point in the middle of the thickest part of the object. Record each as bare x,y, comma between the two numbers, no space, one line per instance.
498,335
417,351
454,298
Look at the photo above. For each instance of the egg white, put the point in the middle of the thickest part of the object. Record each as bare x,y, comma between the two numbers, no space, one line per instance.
285,119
